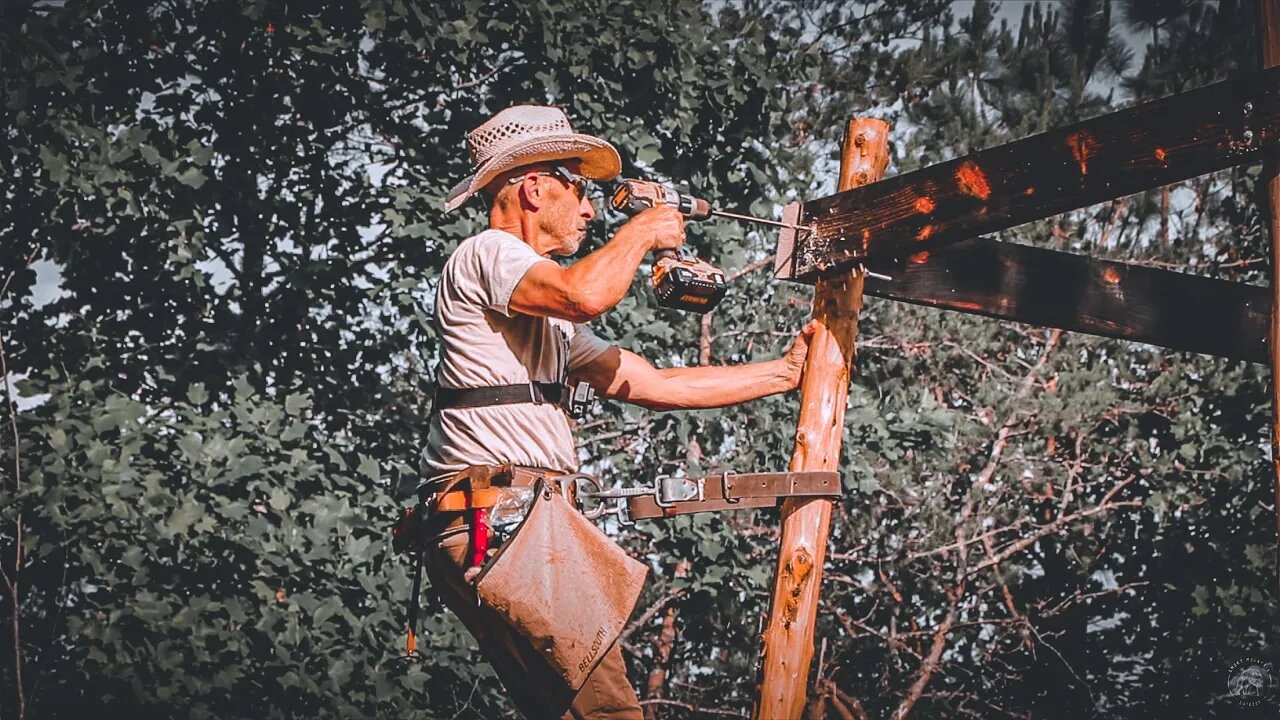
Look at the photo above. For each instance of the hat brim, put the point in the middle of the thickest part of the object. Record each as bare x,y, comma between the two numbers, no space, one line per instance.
599,161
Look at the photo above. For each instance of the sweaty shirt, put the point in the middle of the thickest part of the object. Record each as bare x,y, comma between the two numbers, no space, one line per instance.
485,343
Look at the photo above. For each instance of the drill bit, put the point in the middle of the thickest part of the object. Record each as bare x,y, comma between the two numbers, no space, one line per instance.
749,218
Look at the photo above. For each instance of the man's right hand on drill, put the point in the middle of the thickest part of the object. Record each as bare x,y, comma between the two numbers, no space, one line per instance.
662,227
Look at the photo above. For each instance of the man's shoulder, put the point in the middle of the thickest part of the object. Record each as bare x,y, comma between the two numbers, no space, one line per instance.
485,246
473,243
468,257
490,237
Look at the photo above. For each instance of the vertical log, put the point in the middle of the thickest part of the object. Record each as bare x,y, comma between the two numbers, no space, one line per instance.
1269,32
788,635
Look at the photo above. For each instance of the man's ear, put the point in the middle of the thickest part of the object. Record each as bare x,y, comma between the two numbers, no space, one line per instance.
531,190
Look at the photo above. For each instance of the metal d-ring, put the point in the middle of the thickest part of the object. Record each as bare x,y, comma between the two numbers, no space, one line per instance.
574,479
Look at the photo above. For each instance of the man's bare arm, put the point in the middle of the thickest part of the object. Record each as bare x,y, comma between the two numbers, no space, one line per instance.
591,286
623,375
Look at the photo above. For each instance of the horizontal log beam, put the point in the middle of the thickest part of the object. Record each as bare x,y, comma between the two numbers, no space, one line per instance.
1146,146
1083,294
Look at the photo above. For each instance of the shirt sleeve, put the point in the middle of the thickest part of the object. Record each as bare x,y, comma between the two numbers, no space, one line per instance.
499,264
584,347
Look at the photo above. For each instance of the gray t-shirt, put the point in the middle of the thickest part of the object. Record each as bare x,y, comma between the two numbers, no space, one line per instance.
485,344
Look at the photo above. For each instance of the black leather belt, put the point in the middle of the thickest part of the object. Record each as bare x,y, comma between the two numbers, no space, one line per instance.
535,393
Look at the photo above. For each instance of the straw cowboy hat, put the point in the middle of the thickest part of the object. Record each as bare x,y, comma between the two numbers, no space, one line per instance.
527,134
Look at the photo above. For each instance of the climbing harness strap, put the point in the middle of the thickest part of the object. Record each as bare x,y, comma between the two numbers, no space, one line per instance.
533,393
574,399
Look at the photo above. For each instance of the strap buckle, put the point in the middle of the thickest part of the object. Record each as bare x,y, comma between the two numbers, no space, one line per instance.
726,489
577,398
668,490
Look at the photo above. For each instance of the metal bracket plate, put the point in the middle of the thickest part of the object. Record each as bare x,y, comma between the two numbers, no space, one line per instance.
784,257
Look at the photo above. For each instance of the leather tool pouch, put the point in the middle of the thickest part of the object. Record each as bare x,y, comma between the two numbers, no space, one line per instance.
563,585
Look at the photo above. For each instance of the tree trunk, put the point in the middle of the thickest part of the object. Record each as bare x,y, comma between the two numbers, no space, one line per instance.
657,681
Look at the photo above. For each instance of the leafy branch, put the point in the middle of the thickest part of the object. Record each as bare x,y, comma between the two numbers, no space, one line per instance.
930,663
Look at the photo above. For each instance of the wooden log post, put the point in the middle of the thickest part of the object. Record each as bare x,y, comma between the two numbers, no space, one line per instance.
788,634
1269,33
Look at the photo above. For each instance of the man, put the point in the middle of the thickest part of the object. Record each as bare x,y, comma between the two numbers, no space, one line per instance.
510,321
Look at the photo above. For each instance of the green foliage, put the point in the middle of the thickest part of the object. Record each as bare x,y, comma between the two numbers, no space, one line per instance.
243,203
219,557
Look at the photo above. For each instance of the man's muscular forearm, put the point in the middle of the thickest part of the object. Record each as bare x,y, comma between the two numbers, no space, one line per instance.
623,375
602,278
591,286
700,387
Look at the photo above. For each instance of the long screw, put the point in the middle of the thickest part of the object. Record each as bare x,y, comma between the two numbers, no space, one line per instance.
749,218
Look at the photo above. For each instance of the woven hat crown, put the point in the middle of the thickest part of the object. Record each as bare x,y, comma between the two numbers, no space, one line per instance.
512,127
527,134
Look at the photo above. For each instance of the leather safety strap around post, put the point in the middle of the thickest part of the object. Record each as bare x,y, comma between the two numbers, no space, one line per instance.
729,491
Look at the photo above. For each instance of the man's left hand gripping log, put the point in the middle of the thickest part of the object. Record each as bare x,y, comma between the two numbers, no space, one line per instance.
512,334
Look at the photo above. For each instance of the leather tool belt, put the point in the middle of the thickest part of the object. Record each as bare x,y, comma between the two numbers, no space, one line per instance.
444,512
444,506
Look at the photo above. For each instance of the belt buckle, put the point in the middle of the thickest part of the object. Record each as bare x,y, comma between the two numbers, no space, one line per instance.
669,490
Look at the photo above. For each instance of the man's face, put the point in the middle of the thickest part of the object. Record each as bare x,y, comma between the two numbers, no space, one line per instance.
564,215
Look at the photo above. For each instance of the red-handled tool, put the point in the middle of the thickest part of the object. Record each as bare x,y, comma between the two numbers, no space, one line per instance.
479,536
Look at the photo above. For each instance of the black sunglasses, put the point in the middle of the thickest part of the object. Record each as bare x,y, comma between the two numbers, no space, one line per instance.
578,182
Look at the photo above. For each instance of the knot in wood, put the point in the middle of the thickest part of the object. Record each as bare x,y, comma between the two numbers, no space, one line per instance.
797,570
799,565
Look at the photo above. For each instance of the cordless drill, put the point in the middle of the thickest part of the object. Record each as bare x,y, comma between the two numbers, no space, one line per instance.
679,282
